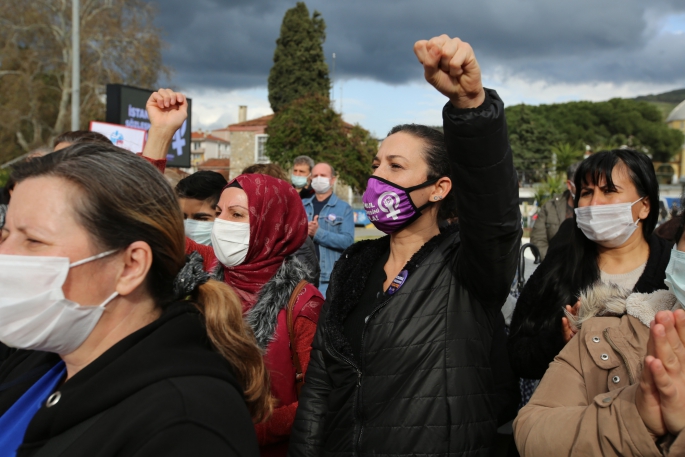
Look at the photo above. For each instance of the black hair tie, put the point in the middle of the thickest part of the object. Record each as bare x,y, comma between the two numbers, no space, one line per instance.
191,276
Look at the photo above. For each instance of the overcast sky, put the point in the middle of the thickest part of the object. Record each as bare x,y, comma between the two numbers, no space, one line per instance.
531,51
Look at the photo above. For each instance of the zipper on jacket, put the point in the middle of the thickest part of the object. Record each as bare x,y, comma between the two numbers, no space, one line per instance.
357,414
337,353
625,360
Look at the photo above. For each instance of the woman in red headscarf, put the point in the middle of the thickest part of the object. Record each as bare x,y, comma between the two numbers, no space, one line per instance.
261,225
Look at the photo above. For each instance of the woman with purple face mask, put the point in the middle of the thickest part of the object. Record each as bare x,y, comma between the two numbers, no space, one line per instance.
401,363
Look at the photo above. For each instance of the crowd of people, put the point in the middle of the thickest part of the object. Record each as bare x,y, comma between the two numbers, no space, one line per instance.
239,317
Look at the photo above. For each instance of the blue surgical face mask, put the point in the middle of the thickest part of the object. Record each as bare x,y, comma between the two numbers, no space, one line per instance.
199,231
675,275
298,181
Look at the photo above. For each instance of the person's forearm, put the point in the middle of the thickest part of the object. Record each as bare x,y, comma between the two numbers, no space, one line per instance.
158,143
469,101
486,188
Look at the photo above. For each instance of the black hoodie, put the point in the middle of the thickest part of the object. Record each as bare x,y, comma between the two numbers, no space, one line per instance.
164,391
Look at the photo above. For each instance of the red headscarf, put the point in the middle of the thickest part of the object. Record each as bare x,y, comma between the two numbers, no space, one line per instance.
278,228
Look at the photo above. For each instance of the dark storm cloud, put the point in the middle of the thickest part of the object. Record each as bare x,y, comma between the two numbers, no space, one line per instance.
230,44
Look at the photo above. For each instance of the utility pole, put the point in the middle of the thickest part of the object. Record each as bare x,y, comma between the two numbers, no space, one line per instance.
75,66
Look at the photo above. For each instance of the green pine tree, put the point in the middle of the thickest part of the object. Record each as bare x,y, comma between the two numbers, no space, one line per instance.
309,126
300,68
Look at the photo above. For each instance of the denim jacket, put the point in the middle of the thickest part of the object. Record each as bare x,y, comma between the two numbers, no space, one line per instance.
335,233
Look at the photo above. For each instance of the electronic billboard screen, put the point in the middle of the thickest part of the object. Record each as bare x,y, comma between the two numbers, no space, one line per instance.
126,106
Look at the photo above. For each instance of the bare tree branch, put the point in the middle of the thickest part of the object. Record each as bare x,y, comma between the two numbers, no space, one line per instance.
119,44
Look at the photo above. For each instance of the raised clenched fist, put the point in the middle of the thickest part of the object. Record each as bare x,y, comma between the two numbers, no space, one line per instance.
167,110
451,67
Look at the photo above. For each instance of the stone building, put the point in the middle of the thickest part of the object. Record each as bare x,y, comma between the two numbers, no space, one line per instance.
248,147
206,146
248,143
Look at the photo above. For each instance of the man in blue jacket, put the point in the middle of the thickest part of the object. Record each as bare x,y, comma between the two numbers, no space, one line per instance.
331,221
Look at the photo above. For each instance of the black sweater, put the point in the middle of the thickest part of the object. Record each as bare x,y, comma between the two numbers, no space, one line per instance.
164,390
535,335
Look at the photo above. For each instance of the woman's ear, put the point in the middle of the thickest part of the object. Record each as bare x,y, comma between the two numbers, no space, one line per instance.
137,263
441,188
645,206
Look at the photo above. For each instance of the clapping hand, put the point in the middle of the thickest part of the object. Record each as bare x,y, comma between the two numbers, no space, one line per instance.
313,226
569,330
660,400
451,67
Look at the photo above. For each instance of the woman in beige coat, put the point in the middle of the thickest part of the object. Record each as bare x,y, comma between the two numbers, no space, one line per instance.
596,398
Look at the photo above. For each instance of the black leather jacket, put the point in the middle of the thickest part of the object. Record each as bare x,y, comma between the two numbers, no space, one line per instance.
423,384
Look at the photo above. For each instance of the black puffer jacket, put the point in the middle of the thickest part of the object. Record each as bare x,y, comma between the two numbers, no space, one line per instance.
423,384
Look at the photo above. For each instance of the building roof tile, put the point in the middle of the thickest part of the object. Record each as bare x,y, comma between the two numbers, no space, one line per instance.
207,136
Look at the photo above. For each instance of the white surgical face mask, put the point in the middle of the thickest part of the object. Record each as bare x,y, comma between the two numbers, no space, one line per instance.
607,225
321,184
34,314
199,231
230,241
298,181
675,274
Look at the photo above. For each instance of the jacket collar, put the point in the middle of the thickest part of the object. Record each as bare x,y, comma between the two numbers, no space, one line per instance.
350,274
611,300
331,202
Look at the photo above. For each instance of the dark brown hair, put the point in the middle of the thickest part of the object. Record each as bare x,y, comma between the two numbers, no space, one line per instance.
437,160
124,199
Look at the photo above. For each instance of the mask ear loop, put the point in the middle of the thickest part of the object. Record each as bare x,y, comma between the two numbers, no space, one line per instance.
109,299
90,259
419,186
631,205
418,211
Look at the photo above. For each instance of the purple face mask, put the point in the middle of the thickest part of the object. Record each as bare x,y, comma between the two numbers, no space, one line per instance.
389,206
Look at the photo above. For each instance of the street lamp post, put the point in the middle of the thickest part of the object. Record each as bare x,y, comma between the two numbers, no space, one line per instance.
75,67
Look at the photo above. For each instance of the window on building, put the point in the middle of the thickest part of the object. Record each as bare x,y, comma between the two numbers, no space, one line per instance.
196,158
260,149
